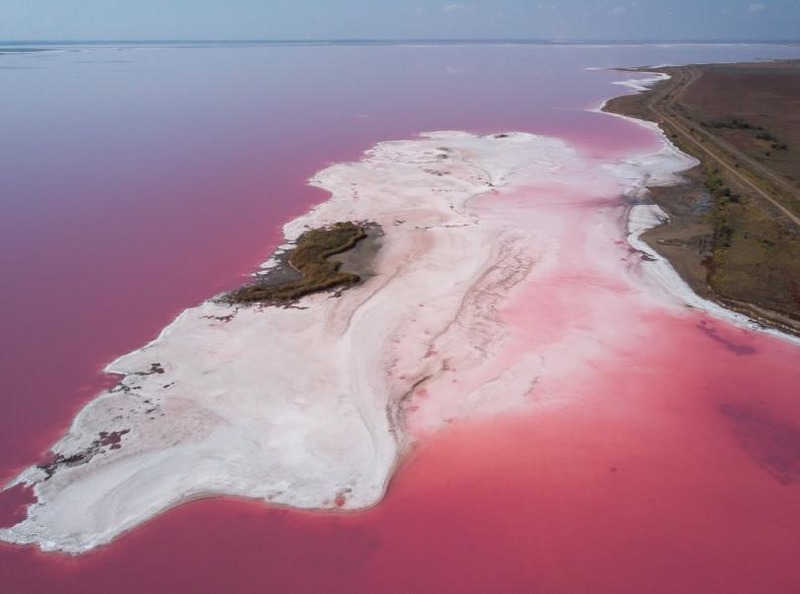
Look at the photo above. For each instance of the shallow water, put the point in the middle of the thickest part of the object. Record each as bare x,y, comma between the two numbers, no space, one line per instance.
137,182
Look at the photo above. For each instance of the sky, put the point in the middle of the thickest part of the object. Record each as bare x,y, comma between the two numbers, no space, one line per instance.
678,20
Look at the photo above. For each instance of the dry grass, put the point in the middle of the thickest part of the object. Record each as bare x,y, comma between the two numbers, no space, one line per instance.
755,256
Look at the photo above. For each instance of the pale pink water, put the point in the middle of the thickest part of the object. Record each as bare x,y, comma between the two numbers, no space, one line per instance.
676,469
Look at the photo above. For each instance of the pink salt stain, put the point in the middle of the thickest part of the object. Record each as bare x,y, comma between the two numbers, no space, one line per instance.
578,309
662,451
13,504
642,476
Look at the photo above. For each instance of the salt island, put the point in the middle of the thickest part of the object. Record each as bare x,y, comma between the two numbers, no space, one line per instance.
395,308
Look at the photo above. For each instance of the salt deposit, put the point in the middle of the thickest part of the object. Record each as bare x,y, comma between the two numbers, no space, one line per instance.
311,406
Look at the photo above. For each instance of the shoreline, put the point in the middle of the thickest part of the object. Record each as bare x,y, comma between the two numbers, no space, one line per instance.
692,295
671,239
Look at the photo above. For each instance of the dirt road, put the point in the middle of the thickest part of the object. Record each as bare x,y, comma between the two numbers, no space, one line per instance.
739,166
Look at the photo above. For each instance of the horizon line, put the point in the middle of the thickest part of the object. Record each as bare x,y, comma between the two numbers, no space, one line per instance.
377,40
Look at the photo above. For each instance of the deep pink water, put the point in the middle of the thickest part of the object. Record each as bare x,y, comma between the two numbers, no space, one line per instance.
135,183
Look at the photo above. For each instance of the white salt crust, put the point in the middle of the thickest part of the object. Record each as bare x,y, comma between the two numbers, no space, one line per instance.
305,406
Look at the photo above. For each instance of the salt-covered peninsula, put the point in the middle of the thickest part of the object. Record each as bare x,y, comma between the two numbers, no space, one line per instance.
312,405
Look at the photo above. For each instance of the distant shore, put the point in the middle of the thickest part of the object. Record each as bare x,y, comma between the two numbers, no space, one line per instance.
733,232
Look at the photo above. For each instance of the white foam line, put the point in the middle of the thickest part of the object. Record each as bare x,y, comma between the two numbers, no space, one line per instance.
638,85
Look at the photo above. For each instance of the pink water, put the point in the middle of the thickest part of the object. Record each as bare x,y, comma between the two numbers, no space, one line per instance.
160,177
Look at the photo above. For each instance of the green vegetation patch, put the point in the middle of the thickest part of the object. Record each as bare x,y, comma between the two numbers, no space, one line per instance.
733,124
311,259
755,256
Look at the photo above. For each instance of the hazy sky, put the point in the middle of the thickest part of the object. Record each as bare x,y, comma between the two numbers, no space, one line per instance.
359,19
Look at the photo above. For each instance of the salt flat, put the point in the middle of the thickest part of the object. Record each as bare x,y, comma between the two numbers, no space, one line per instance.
311,406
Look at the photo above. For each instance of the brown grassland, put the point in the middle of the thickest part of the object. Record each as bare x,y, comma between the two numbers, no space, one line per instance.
734,230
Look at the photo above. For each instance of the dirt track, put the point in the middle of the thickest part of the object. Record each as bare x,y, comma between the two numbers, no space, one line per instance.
662,104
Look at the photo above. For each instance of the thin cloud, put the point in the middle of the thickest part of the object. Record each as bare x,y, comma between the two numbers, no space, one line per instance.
758,8
624,8
453,7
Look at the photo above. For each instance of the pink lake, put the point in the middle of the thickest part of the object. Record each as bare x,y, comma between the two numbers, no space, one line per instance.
137,181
